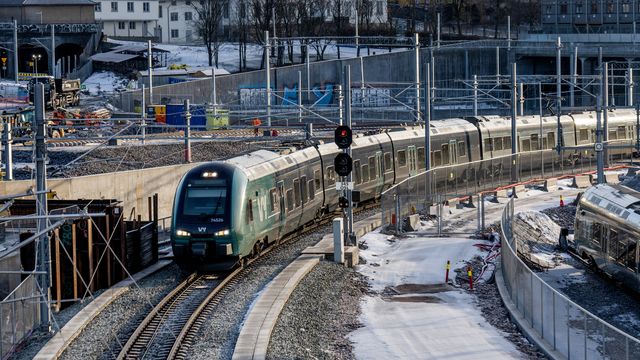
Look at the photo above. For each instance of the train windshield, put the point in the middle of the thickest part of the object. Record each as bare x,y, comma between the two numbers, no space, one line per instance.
205,201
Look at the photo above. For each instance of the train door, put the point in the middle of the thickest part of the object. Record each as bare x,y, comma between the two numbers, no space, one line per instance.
380,173
283,209
453,152
413,160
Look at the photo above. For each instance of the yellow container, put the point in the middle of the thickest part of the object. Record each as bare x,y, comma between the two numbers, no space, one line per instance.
219,120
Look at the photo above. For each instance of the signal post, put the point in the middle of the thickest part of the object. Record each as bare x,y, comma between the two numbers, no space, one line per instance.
343,165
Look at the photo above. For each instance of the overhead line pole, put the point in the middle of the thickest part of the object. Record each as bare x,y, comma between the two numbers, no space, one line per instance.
349,224
514,131
427,119
559,92
417,77
150,66
605,111
15,49
268,74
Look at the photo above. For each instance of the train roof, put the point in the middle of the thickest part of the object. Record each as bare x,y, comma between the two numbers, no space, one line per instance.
530,121
619,116
618,200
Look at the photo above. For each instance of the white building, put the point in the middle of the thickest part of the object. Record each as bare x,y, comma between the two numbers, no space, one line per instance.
177,17
129,18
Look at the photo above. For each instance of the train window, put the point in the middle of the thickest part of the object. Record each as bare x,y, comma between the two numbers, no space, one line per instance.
551,140
249,211
372,168
526,145
544,143
296,192
421,158
622,132
613,135
274,205
331,175
316,179
312,190
289,200
487,145
365,173
303,188
357,172
535,142
402,158
506,142
387,162
445,154
584,135
596,233
622,248
497,144
437,158
462,149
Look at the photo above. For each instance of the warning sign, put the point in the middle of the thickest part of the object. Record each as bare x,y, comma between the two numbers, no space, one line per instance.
4,60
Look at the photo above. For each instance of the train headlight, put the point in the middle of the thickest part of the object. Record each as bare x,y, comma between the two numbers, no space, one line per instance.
222,232
182,233
209,174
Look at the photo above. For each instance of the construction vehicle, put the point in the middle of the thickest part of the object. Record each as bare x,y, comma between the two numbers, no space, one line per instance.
57,92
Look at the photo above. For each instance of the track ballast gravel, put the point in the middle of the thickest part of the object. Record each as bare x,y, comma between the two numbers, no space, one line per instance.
131,157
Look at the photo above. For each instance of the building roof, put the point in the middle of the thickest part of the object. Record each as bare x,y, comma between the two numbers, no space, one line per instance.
112,57
137,48
58,2
198,71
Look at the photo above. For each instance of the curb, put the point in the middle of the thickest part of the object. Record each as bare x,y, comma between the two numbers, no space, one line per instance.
530,333
70,331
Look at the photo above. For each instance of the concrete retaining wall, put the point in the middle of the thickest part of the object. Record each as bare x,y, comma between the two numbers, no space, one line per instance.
131,187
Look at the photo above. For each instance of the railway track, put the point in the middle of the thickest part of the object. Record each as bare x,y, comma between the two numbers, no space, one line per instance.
178,317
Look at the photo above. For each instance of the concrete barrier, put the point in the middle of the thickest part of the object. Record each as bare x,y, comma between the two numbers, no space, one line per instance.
131,187
582,181
550,184
611,179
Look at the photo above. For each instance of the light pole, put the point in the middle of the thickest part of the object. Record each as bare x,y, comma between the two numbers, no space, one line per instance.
36,58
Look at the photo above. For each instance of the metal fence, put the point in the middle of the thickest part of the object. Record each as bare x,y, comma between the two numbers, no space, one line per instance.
20,314
568,328
452,181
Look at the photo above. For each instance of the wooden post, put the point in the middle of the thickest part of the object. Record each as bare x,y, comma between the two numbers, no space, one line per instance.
149,208
75,261
108,244
123,242
56,239
90,250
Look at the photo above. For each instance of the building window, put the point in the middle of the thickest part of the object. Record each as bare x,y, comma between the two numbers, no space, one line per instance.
187,16
225,10
145,6
98,7
563,9
174,33
379,8
174,16
173,2
548,9
188,2
121,25
130,6
611,8
114,6
189,35
594,7
579,9
160,11
626,8
132,25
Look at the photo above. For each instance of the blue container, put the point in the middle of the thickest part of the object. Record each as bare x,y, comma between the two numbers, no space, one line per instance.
175,116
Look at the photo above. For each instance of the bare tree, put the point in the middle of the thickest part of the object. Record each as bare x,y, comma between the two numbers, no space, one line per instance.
241,31
208,24
459,8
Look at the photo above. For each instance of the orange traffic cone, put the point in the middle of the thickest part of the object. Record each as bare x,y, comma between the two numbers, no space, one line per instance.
561,201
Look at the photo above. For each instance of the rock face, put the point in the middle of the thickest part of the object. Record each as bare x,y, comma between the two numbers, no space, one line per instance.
536,236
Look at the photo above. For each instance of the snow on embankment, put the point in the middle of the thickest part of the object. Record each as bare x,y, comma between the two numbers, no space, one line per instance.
536,236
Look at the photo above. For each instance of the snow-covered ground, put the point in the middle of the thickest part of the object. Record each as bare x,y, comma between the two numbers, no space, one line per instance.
105,82
436,325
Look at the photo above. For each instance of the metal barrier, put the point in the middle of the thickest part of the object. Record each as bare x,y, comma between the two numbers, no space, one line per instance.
565,326
443,183
20,314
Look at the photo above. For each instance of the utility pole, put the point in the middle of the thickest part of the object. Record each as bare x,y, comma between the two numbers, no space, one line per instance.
427,119
417,77
599,147
438,32
509,32
299,96
43,257
15,49
268,74
497,66
630,84
150,68
8,151
357,32
540,141
605,111
475,95
143,121
214,95
308,74
187,132
349,239
521,98
559,92
53,50
514,131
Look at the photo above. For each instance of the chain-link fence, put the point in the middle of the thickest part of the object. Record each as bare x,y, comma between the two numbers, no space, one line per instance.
568,328
20,314
428,188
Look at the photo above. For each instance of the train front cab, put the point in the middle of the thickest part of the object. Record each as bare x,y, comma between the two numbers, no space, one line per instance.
202,232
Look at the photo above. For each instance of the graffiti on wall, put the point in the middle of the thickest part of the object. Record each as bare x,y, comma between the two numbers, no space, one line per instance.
251,96
371,97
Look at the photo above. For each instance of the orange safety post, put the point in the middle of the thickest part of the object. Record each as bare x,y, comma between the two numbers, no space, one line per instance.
470,273
446,276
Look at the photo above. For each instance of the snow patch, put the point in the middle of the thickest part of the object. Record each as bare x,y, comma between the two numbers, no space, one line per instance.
536,236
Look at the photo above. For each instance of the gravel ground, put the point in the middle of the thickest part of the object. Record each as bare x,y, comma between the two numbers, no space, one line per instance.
563,216
218,336
120,158
101,339
322,310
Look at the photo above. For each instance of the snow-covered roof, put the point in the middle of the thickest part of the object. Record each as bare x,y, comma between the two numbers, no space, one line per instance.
202,71
113,57
617,200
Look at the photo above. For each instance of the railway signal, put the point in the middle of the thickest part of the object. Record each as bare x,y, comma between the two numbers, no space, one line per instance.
343,136
343,202
343,164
